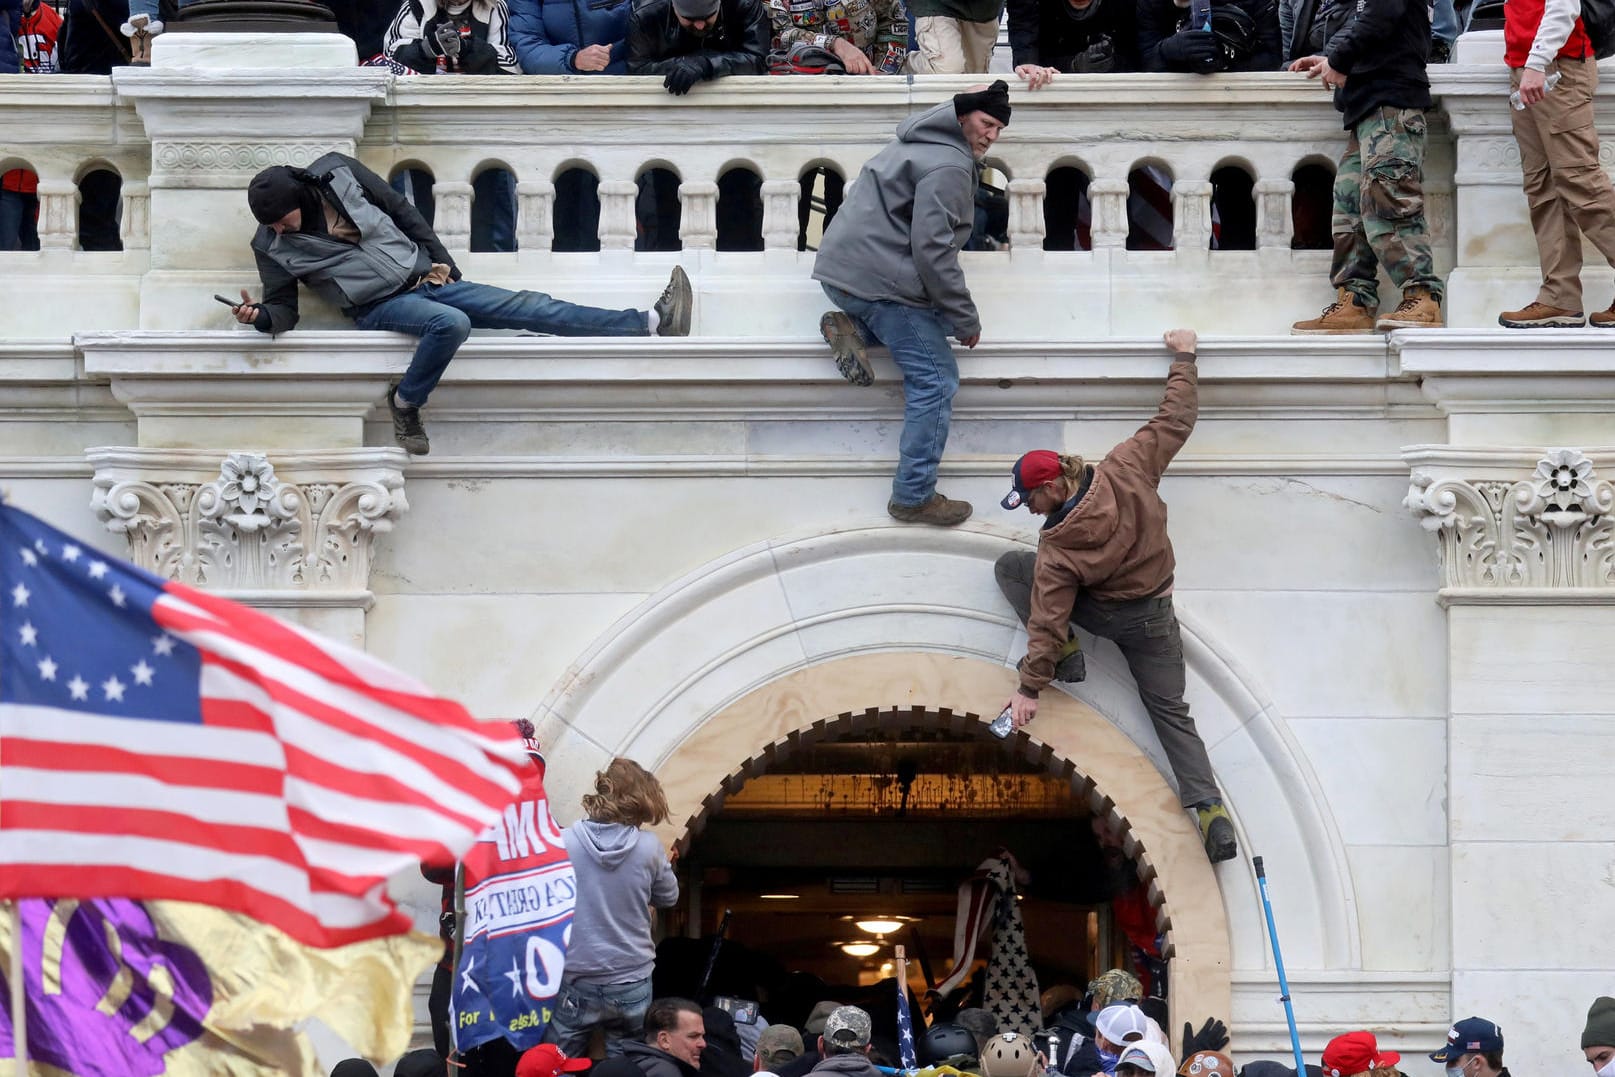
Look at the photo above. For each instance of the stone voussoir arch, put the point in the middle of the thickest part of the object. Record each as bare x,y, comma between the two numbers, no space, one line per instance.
739,654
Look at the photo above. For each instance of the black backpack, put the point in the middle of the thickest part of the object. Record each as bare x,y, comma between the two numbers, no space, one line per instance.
1598,19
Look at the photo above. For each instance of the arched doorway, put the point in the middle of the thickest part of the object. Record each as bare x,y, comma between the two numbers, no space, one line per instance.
1114,780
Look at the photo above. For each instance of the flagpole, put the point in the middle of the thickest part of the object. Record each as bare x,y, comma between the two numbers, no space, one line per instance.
19,1000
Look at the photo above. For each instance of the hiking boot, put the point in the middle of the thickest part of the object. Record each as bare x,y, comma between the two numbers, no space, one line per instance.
140,29
1344,315
939,511
1538,315
1419,310
1071,667
673,309
1217,832
1603,319
407,428
847,345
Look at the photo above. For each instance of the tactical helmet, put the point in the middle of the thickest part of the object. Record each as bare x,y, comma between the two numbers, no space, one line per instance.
1008,1054
944,1041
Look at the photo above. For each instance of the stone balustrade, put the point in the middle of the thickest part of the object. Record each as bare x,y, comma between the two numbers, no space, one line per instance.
186,134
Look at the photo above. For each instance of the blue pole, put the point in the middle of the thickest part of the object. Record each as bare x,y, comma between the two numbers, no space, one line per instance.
1278,960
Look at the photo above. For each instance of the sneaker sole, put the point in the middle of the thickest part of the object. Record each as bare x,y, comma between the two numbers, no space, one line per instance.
1548,323
848,351
929,523
1225,849
1294,332
676,323
1386,327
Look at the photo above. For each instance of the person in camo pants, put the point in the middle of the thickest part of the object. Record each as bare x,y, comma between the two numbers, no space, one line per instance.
1376,65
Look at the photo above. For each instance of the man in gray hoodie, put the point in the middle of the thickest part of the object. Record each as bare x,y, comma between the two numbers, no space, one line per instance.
890,262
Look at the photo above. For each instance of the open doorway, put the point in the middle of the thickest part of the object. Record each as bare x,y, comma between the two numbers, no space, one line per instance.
855,837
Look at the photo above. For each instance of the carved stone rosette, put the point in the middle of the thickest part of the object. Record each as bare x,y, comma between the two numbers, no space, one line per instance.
1552,529
302,522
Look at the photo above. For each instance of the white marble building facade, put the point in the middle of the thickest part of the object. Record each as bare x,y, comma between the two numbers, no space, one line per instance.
1396,557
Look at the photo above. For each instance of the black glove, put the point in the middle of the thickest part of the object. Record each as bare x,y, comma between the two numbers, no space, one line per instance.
691,70
1096,59
1213,1036
1192,50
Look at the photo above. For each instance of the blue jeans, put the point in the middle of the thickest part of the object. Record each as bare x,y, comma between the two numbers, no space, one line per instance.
1444,21
18,224
617,1010
919,345
443,315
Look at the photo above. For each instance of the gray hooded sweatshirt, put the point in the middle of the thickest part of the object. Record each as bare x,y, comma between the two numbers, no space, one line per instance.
898,235
621,872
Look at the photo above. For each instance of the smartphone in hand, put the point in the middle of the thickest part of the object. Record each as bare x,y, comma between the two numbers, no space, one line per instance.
227,302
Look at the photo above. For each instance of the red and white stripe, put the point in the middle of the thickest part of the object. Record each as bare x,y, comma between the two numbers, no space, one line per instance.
317,773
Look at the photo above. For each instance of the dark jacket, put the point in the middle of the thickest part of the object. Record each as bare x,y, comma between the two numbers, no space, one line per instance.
655,1062
1382,51
657,44
898,234
803,1063
847,1065
278,308
10,27
1159,21
484,36
546,34
86,46
1114,543
1054,34
722,1056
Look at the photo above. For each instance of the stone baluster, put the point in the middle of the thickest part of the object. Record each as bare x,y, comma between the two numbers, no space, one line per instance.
135,227
1274,223
698,218
1026,224
1191,215
453,216
780,222
617,223
58,214
1108,199
535,215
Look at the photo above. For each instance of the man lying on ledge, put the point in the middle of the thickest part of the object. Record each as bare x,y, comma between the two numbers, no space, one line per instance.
340,229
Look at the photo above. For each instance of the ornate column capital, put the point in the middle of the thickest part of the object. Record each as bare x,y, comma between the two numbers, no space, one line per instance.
263,530
1518,526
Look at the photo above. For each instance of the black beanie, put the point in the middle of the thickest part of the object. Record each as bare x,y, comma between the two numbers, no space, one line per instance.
276,191
994,101
1600,1030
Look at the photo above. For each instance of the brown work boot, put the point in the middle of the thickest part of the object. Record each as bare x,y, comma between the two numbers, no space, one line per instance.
1419,310
939,511
1538,315
1344,315
1603,319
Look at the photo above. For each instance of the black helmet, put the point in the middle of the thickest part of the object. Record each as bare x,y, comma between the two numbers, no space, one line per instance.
1235,32
945,1041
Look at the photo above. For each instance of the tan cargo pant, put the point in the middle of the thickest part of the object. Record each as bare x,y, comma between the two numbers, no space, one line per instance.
952,46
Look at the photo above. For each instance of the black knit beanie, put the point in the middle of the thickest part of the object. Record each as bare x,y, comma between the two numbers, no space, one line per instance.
278,190
994,101
1600,1031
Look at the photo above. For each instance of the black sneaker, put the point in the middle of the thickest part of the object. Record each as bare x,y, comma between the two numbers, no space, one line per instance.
673,309
847,346
407,428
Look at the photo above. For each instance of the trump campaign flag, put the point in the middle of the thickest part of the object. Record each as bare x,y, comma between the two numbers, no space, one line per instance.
519,895
158,742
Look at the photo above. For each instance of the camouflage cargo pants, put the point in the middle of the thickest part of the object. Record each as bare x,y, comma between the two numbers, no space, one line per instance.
1379,207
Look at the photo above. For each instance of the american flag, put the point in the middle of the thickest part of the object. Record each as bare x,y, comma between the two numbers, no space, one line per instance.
905,1023
157,742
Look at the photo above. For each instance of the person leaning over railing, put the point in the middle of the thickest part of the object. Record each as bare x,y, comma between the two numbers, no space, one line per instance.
1203,38
570,37
467,37
691,41
1076,36
867,37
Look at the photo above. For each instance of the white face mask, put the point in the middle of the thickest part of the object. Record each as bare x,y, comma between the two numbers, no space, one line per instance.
1458,1071
1607,1071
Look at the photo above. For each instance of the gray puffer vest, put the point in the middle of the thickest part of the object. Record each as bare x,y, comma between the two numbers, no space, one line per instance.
347,274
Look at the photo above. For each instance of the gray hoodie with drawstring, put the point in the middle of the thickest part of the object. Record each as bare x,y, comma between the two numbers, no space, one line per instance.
898,235
621,872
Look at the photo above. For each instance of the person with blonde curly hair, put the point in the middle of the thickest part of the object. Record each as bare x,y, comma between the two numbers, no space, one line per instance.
622,872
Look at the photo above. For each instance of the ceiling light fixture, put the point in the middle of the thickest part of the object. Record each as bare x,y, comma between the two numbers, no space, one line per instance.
778,897
860,949
879,926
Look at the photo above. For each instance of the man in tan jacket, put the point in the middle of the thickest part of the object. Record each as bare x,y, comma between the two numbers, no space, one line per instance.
1104,562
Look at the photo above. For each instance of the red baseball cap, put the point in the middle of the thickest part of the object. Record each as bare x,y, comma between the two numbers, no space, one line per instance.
548,1060
1355,1052
1037,468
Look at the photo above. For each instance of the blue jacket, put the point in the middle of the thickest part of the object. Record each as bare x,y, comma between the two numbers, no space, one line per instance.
10,27
545,33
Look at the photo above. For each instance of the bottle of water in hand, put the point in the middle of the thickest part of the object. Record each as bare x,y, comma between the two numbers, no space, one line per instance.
1547,86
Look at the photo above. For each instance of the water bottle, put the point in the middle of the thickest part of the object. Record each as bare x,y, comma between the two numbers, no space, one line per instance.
1547,86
